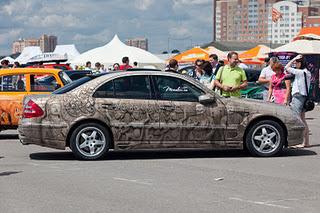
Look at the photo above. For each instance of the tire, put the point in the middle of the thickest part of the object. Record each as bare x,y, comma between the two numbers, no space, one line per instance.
265,139
90,141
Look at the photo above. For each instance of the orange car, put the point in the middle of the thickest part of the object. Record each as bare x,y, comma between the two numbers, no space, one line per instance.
17,83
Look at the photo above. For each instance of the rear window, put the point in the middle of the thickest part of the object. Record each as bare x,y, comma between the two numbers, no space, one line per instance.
72,85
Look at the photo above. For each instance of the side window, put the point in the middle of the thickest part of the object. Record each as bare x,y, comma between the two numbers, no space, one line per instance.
175,89
105,91
132,87
43,83
13,83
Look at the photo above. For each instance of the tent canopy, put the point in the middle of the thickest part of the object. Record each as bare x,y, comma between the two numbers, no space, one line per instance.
309,33
114,51
191,55
259,52
27,53
212,50
69,49
48,57
11,60
301,47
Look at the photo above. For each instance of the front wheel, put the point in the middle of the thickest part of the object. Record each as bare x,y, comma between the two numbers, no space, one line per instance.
90,141
265,139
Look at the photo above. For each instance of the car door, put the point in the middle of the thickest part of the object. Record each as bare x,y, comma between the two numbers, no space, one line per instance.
131,110
44,83
184,122
12,91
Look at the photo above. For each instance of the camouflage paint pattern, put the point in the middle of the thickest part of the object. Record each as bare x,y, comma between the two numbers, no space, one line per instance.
137,124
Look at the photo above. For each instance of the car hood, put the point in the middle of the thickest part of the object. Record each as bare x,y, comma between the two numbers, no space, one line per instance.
252,106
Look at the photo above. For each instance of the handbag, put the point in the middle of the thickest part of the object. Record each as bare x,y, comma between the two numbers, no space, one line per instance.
308,104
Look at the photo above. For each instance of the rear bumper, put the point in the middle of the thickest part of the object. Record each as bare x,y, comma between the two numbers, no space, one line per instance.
53,136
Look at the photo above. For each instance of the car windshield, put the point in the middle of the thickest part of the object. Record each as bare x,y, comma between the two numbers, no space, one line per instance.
65,78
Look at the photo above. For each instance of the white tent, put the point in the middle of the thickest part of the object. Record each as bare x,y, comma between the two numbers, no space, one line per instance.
11,60
114,51
301,46
27,53
69,49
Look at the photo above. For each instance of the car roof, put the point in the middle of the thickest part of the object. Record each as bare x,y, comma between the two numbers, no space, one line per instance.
112,75
77,71
28,70
143,69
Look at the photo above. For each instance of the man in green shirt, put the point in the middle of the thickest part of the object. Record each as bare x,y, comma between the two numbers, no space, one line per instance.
230,78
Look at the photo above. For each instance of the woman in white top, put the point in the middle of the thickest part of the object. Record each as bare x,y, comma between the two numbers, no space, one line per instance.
299,91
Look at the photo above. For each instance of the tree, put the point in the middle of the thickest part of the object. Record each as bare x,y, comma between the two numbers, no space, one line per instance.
164,52
175,51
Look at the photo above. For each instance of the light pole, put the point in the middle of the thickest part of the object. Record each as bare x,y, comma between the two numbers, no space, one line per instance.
214,19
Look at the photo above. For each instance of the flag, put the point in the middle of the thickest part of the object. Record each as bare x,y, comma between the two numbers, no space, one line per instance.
276,15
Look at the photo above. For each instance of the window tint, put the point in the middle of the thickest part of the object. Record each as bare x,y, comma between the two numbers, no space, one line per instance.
13,83
105,91
43,83
175,89
72,85
132,87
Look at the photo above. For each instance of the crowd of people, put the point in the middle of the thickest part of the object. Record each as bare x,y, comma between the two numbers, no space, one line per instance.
100,68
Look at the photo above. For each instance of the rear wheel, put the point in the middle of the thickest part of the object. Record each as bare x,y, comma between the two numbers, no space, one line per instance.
265,138
90,141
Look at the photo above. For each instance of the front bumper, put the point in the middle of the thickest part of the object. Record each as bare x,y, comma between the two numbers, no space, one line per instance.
47,135
295,134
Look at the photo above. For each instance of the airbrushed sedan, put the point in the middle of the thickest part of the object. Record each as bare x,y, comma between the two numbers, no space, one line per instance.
153,110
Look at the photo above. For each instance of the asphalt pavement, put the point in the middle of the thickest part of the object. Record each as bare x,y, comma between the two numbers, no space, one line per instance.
36,179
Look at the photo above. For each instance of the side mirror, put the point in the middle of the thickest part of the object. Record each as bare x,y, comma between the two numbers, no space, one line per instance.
206,99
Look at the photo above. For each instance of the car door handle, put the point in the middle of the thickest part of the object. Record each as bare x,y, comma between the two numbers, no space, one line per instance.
108,106
167,107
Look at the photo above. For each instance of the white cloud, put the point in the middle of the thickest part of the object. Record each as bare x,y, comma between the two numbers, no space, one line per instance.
20,6
191,2
179,31
143,4
92,23
102,37
7,37
54,21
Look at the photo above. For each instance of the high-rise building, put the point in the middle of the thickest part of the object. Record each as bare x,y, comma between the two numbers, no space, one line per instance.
46,43
251,20
141,43
20,44
287,27
242,20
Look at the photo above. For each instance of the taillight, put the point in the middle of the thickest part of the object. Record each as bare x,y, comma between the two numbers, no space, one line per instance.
32,110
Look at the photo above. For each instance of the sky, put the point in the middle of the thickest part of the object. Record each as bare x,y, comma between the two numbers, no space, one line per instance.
177,24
